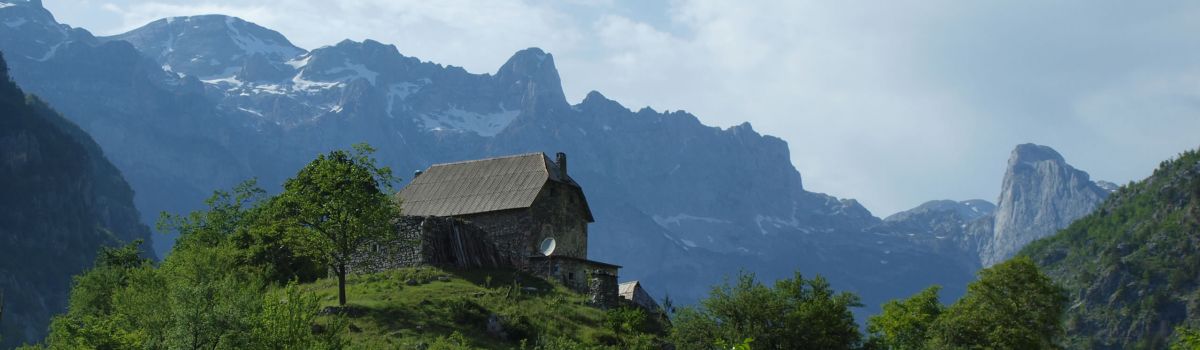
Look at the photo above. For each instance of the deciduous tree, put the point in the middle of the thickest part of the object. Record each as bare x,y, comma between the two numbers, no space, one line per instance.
336,204
1013,305
904,324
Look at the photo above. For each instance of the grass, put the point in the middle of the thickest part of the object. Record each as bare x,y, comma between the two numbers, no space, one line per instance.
384,310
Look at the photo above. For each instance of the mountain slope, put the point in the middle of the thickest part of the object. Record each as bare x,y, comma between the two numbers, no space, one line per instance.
211,46
62,201
1131,267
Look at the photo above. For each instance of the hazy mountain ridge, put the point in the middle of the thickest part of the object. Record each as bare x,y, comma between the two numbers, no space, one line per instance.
62,201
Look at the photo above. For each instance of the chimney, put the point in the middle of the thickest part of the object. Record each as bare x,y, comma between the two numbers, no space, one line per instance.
561,160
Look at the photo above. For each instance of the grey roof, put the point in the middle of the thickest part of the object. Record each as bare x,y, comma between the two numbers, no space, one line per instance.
568,257
480,186
626,289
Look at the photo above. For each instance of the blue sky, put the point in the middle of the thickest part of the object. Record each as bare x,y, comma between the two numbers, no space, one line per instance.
889,102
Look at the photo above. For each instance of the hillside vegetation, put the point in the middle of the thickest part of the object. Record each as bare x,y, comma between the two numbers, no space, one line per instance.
60,201
247,273
488,309
1132,267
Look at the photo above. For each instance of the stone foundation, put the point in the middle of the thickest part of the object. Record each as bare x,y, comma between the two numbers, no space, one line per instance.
432,241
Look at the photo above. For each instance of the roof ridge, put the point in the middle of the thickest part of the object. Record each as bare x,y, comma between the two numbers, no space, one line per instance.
492,158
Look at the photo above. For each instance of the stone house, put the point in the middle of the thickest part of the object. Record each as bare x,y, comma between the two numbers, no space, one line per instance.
523,211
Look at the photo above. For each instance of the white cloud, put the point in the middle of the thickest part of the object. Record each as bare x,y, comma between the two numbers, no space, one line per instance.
892,103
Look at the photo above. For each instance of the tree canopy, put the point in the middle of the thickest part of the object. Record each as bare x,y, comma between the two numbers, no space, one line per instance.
795,313
904,324
1013,305
335,205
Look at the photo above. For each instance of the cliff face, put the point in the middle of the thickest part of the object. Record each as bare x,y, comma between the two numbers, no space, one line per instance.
1040,195
62,201
1131,267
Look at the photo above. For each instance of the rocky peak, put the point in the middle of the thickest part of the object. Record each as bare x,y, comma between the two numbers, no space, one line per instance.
1108,186
28,3
29,32
531,76
963,211
208,46
1040,195
1031,154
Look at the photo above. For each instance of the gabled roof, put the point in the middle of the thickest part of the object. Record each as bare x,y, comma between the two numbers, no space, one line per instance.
626,289
480,186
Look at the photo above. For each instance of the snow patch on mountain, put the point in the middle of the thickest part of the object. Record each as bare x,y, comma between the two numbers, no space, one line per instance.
674,220
251,44
357,70
400,92
300,62
230,82
457,119
50,53
764,222
301,84
251,111
14,22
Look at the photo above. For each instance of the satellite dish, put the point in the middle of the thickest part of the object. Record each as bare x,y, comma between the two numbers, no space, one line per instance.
548,246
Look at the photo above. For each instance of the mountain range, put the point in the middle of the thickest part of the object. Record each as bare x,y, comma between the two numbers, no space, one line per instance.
184,106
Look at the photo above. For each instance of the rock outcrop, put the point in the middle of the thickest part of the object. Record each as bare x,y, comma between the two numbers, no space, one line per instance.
1040,195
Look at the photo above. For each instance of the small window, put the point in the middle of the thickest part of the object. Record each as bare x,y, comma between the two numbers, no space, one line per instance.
571,276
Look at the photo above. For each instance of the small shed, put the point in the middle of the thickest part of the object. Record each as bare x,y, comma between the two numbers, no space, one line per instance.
633,292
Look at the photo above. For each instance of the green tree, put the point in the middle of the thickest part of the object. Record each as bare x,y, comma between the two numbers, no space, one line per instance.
335,205
1186,339
266,244
796,313
904,324
89,321
203,296
1013,305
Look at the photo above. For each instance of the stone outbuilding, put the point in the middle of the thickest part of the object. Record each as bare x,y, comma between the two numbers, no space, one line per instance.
633,292
525,208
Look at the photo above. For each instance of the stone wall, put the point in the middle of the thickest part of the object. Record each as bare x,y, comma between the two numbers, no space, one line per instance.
602,289
559,212
597,280
433,241
509,229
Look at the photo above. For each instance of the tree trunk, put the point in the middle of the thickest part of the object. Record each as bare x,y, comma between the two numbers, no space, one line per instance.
341,275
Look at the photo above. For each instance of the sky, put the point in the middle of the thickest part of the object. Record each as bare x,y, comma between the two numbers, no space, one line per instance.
892,103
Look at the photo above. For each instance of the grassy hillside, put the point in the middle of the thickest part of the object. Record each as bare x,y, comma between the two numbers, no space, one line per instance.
1132,267
427,307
